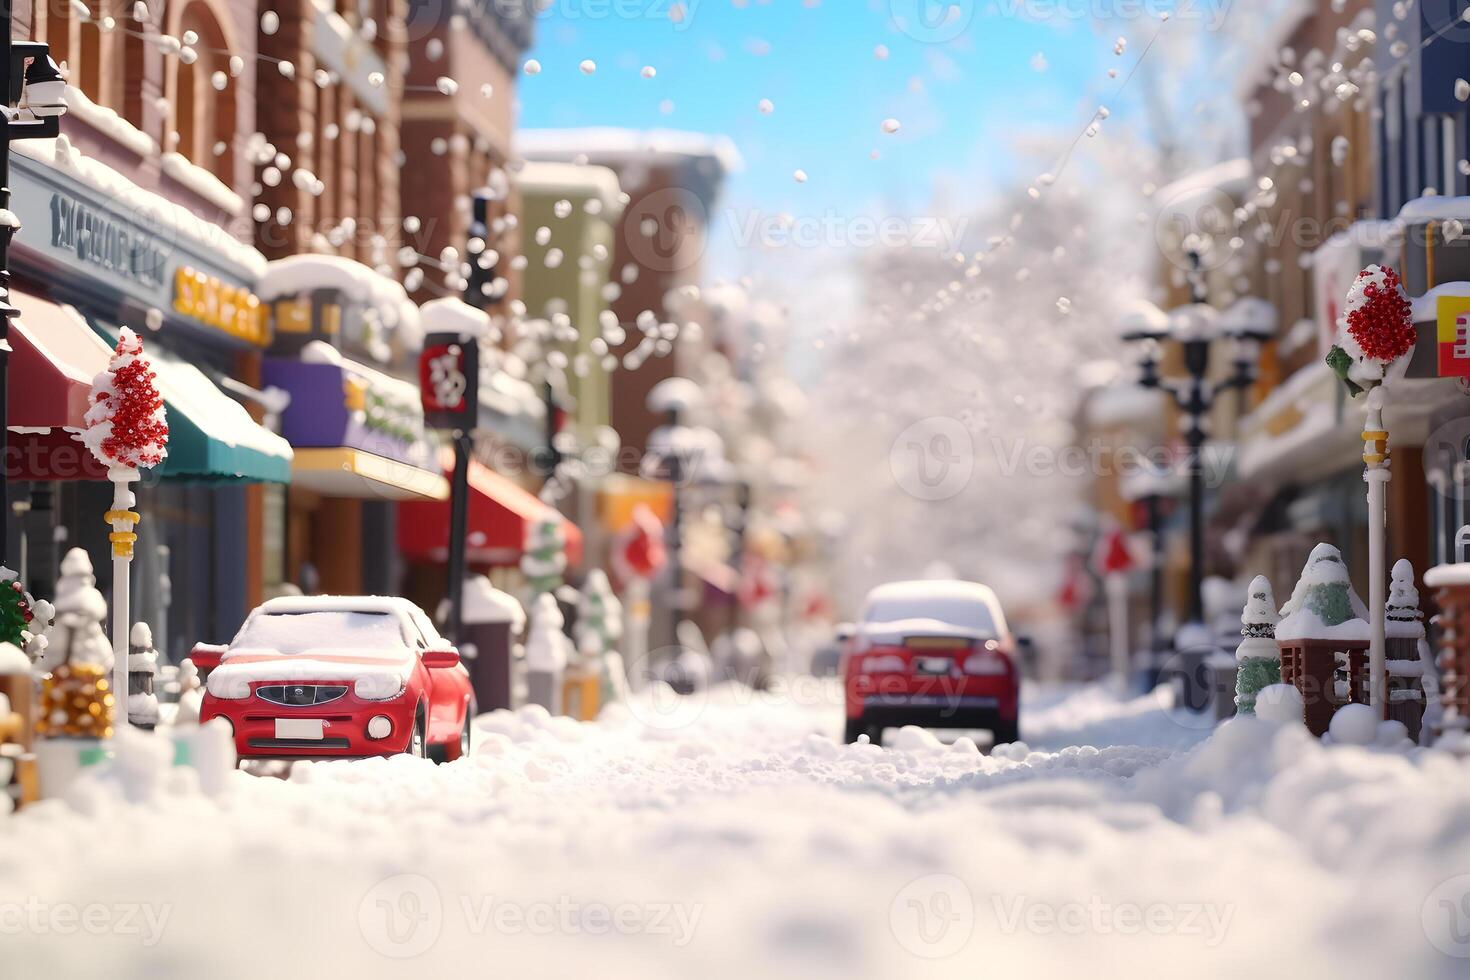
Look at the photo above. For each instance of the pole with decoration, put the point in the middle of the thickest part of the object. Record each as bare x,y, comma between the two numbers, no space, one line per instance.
1114,561
127,430
1375,338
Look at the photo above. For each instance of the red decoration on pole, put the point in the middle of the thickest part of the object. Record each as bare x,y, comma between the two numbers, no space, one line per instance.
1113,556
1382,323
127,427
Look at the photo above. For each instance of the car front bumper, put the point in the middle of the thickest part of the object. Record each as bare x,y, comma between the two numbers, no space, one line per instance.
344,727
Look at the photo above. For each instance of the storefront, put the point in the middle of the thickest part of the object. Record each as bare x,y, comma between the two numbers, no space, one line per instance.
97,253
357,430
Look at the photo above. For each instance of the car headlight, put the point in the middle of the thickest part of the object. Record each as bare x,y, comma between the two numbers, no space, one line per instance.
228,688
378,687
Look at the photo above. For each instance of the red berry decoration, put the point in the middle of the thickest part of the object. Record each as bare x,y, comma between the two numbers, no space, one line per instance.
1379,318
127,425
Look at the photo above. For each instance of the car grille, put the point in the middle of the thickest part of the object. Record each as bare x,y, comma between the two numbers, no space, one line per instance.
300,695
298,743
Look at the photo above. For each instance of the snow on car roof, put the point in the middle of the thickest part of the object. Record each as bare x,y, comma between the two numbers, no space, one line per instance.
932,589
336,603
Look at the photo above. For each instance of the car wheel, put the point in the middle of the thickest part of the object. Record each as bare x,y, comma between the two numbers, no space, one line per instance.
461,748
417,743
1006,732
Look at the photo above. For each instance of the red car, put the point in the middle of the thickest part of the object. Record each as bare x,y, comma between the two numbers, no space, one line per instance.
338,676
936,654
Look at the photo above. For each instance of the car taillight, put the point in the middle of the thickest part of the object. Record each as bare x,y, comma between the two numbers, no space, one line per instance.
986,663
884,663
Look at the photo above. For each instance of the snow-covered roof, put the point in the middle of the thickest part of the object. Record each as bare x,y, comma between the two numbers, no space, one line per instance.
1230,177
1434,207
297,274
1442,575
1250,314
61,155
450,314
1426,307
609,144
573,180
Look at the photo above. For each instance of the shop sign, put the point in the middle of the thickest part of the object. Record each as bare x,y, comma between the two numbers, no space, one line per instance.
1452,327
449,381
95,238
215,303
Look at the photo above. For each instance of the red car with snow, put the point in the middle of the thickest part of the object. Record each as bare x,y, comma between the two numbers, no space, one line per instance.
936,654
338,676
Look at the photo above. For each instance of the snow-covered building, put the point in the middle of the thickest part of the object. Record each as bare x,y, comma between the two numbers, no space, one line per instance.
138,216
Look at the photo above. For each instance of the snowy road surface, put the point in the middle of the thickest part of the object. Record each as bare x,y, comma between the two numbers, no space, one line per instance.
730,836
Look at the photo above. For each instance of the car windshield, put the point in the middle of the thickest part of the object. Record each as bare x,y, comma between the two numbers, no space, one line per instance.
331,629
965,613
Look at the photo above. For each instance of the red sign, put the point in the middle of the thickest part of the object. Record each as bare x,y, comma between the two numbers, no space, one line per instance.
449,373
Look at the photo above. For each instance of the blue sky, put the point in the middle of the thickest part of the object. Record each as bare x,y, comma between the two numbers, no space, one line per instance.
961,99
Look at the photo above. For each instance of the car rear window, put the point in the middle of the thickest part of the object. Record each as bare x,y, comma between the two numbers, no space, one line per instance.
966,613
326,629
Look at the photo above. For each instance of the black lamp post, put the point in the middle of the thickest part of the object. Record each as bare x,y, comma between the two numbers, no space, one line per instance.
1195,327
35,99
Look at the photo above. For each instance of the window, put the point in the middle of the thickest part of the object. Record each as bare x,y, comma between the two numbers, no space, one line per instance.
204,115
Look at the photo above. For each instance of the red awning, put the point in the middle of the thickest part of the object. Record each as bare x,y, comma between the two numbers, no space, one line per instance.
55,355
499,512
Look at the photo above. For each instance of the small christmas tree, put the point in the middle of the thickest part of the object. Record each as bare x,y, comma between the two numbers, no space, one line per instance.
1258,658
1377,332
599,613
545,557
1405,621
1323,605
76,685
547,651
142,672
127,427
599,628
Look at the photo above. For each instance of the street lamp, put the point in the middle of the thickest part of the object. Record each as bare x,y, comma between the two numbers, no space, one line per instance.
1195,327
35,100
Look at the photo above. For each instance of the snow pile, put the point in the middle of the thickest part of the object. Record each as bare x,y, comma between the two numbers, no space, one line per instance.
547,648
744,841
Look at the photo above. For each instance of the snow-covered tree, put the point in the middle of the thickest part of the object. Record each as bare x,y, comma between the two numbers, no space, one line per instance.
1405,620
547,651
1323,605
544,558
599,613
127,426
77,699
1258,658
77,636
142,672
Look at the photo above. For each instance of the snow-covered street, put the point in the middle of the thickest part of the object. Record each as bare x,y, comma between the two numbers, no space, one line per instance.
732,836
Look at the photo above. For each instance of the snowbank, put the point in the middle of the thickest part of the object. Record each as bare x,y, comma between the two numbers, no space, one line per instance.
744,841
